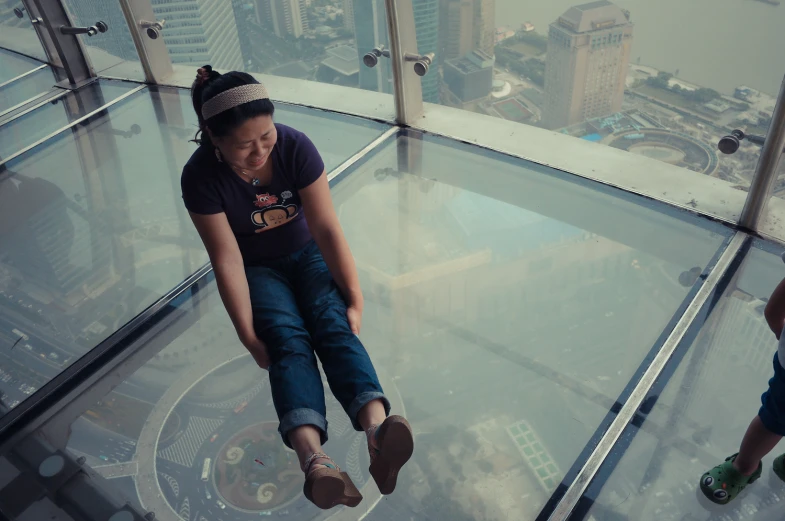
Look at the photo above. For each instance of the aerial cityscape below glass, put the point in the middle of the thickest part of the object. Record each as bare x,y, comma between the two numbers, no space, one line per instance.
510,307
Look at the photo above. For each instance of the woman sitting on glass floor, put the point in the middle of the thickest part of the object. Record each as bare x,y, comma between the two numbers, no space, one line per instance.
258,195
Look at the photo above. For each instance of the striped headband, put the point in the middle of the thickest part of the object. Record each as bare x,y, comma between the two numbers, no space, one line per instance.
231,98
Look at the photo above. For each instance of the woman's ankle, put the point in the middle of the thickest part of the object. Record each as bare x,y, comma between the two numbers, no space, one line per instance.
315,461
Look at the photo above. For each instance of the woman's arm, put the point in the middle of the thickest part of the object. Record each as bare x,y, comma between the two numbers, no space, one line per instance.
229,272
326,230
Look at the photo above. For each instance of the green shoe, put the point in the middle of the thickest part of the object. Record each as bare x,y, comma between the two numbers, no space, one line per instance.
723,483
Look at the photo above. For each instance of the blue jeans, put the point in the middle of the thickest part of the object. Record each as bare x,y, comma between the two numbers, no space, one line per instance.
299,314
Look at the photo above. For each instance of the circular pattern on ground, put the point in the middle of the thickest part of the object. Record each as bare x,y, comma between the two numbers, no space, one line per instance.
168,480
249,485
667,154
668,146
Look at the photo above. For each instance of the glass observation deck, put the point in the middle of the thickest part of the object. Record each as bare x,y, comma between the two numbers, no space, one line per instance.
567,308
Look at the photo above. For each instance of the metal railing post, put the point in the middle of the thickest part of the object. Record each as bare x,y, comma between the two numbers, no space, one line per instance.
766,171
148,40
407,89
68,47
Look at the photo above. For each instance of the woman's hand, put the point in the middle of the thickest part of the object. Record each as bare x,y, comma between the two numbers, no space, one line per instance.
258,351
354,313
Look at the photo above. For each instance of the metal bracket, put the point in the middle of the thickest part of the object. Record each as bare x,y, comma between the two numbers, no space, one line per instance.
67,46
153,28
422,62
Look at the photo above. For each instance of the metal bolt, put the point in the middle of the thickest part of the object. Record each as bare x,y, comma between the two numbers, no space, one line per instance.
51,466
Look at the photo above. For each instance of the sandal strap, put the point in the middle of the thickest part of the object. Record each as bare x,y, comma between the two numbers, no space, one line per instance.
318,455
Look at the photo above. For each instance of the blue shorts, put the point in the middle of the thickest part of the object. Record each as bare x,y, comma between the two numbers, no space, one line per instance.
772,411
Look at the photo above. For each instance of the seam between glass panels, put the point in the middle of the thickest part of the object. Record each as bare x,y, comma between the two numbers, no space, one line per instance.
8,82
576,489
340,169
72,124
28,110
622,398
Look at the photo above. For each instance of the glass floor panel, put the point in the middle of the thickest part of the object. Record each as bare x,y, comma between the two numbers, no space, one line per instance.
715,383
27,129
36,84
93,230
468,297
14,64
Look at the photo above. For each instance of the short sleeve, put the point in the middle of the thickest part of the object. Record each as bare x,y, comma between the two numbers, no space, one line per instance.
308,163
199,194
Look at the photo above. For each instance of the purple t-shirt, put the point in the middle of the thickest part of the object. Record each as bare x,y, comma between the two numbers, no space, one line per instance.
267,220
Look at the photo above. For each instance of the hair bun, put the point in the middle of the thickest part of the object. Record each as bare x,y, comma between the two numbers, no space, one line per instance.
203,74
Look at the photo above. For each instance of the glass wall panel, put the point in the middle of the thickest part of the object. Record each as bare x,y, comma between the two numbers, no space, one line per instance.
26,89
31,127
17,32
112,53
712,390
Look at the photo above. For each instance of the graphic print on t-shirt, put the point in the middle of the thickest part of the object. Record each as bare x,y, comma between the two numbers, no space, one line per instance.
273,214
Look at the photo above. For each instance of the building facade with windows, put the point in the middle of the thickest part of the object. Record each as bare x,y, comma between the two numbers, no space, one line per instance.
586,68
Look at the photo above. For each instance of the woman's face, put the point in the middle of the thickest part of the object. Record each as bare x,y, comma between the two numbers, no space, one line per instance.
249,146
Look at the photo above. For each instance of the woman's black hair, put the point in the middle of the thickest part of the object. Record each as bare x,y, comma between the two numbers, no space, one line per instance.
210,83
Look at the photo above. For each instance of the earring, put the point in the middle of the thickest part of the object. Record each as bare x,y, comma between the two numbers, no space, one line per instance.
218,155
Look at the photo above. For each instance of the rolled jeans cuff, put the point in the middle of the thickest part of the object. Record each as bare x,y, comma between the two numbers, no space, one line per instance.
299,417
360,401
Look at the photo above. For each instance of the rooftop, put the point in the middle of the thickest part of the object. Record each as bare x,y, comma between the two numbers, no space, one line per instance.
592,16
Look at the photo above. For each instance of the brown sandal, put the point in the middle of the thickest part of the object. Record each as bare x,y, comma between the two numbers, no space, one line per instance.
328,486
394,445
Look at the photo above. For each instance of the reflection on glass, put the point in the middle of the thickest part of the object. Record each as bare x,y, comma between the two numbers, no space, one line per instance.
112,53
91,233
92,226
17,32
701,415
483,318
42,121
24,89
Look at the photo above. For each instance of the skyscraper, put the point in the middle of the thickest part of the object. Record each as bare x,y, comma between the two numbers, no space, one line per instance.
286,17
456,29
586,68
370,30
244,16
348,14
484,25
426,23
468,79
201,31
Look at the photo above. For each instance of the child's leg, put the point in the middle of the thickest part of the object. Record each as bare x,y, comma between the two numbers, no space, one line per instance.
725,481
757,443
